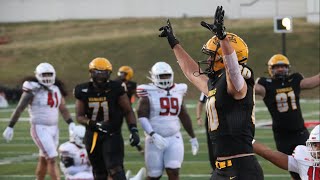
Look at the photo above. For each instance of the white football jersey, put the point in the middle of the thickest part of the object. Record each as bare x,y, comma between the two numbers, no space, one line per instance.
79,156
44,108
302,163
165,106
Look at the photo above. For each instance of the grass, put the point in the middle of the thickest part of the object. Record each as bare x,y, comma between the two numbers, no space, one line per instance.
71,45
18,158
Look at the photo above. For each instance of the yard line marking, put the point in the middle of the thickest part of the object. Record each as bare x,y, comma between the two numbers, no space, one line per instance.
188,105
10,160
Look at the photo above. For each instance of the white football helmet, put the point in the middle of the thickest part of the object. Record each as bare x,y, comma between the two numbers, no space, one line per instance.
158,69
313,144
77,135
45,80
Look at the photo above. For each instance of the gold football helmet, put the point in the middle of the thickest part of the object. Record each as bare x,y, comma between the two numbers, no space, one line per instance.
101,64
125,72
277,60
100,70
212,48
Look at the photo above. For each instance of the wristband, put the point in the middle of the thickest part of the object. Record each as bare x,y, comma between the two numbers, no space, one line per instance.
152,133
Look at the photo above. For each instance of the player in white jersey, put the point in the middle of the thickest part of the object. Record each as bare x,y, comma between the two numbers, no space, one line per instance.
305,160
74,162
44,96
160,111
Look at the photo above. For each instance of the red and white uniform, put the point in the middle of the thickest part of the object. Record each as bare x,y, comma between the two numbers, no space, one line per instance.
302,163
165,106
81,169
44,115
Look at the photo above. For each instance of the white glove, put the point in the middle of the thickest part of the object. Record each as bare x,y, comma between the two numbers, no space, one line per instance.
194,146
8,134
159,141
71,127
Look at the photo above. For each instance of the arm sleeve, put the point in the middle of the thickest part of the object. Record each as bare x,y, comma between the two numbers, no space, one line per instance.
234,71
146,125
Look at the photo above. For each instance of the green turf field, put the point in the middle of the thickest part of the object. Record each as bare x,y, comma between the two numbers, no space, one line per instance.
19,157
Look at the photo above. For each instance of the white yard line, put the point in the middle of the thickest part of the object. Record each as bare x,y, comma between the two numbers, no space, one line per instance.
10,160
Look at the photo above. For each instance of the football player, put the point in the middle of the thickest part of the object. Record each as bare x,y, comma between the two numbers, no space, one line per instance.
44,95
100,104
160,107
229,86
74,162
125,74
281,95
305,159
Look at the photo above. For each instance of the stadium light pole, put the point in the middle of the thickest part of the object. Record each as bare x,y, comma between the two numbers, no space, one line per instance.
283,25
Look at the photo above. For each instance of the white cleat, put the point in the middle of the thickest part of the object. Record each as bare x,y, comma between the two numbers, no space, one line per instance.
128,174
141,175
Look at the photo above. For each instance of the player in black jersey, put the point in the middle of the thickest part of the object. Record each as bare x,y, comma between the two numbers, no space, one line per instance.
211,144
99,105
230,91
125,74
281,94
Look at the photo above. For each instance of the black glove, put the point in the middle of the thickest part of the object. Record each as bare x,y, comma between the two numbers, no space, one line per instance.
217,28
134,136
167,32
98,126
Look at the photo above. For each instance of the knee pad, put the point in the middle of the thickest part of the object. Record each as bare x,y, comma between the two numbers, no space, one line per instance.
117,173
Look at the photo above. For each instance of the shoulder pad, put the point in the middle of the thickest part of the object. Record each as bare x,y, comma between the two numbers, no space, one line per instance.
142,90
182,87
296,75
30,86
302,155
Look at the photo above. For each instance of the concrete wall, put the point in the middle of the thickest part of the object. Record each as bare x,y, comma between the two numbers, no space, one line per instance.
52,10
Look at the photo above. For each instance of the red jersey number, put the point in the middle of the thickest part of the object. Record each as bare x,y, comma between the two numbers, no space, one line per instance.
169,106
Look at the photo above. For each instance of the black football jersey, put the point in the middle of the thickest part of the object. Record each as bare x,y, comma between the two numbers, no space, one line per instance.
231,121
102,105
283,101
129,87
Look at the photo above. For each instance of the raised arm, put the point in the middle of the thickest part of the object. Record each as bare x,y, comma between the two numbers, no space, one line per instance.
186,63
236,85
310,82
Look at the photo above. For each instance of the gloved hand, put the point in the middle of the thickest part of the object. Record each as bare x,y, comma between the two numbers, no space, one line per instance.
98,126
134,136
159,141
71,127
217,28
8,134
194,146
167,32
